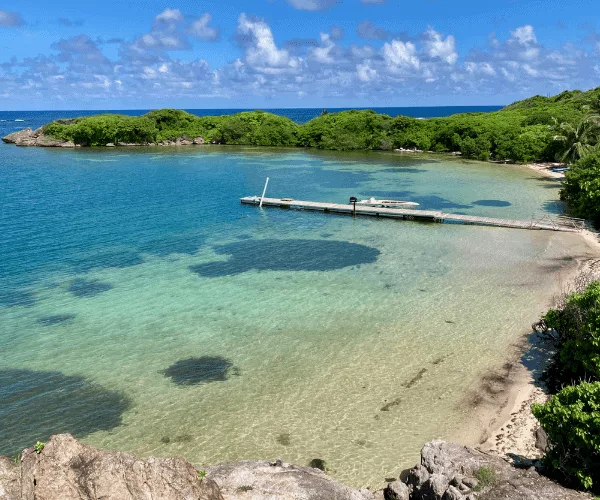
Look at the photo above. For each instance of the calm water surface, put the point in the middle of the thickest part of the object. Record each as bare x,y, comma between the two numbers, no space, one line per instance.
143,308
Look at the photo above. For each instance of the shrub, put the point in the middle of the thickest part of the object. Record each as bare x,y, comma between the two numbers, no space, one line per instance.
574,328
581,189
572,421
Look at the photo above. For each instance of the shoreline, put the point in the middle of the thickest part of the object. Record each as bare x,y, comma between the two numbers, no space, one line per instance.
500,420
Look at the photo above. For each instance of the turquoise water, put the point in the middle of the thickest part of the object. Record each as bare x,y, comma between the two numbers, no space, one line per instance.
143,308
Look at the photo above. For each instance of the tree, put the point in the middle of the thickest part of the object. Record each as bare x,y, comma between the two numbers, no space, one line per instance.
577,141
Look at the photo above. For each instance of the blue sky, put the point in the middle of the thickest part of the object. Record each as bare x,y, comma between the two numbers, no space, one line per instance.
293,53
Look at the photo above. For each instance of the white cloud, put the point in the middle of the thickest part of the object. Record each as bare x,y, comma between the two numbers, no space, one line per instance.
323,54
524,35
365,72
200,28
400,55
262,53
169,16
437,47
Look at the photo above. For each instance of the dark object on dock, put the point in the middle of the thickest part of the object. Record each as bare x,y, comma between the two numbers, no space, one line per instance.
353,200
542,222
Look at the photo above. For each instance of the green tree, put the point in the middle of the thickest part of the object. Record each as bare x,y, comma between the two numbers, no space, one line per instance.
571,420
581,189
576,141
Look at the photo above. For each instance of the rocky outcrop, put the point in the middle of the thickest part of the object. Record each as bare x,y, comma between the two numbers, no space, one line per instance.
278,480
453,472
68,470
29,137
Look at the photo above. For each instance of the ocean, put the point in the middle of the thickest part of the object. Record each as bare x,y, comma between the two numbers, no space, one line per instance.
143,308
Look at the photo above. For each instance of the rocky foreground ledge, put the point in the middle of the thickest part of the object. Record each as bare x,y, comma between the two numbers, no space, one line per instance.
68,470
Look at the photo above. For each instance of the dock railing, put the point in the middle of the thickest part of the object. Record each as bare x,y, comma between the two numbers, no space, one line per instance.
559,221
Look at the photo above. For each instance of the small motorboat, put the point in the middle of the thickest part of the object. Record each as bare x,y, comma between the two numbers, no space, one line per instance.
373,202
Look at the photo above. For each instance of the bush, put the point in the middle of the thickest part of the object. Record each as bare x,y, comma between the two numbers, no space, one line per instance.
574,328
581,189
572,421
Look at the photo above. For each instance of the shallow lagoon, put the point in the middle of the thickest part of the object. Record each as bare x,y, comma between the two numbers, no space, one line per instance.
174,320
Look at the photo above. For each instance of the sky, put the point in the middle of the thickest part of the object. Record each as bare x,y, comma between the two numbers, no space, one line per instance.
124,54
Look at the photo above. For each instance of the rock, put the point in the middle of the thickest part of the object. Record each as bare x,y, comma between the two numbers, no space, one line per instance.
28,137
470,482
453,494
449,460
68,470
434,488
198,141
288,482
417,476
110,145
396,491
541,440
10,479
184,142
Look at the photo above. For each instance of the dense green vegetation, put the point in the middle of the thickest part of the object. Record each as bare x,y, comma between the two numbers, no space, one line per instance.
582,188
572,421
522,132
571,418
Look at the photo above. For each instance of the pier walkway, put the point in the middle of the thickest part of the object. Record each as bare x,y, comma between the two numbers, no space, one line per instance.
542,222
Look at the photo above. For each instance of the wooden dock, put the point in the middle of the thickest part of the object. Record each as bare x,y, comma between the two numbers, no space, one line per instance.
544,223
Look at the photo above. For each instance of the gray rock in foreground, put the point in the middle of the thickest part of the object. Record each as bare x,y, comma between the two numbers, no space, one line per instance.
68,470
261,480
453,472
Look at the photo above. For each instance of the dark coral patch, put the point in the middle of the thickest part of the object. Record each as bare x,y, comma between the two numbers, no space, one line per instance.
194,371
286,255
15,298
37,404
56,320
88,288
492,203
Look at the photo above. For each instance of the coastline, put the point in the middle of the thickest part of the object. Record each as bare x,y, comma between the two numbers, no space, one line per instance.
499,420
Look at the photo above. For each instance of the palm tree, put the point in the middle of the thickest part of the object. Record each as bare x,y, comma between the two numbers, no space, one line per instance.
577,141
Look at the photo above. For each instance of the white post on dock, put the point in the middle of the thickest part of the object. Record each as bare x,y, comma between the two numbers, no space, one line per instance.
264,191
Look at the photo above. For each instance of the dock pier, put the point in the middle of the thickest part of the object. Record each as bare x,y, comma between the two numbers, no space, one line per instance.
543,222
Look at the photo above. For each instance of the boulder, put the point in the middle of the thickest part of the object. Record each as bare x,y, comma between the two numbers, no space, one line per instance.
397,491
198,141
68,470
262,480
454,470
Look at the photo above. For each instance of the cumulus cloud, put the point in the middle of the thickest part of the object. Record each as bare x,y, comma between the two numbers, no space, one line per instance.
401,56
10,19
312,4
200,28
421,64
262,53
438,47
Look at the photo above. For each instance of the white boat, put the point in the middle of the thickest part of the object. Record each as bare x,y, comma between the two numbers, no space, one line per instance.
373,202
